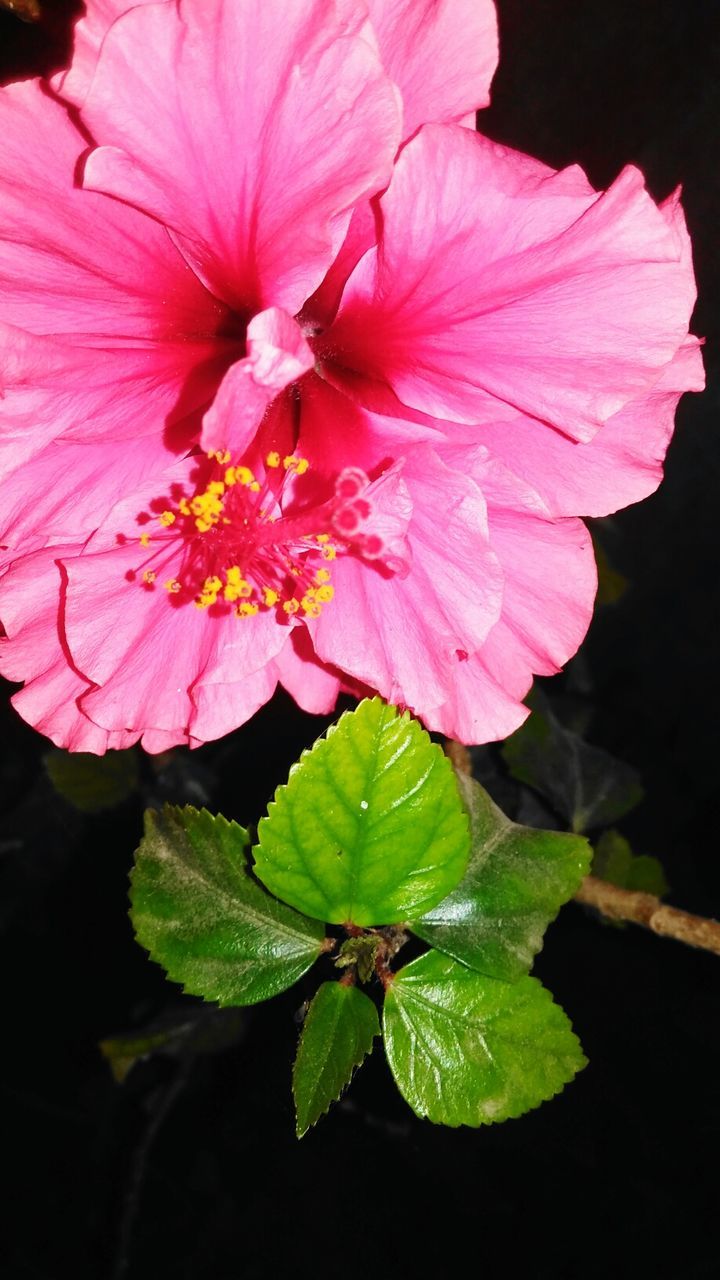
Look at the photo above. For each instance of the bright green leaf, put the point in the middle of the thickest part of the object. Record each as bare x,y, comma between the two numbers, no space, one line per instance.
615,861
201,915
516,882
92,783
467,1049
337,1036
585,785
370,827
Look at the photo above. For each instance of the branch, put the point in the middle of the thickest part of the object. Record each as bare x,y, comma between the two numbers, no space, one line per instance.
647,910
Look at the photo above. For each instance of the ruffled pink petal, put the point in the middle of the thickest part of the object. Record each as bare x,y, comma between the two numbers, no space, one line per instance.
65,491
174,91
31,596
277,356
622,464
146,650
314,687
73,263
50,389
401,635
90,31
550,583
146,656
442,55
220,708
499,280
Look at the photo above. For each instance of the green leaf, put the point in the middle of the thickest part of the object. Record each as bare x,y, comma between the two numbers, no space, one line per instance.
201,915
585,785
467,1049
615,861
370,827
92,783
337,1036
516,882
202,1030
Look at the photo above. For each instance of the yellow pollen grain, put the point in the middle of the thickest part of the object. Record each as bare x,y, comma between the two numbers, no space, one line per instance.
172,585
167,518
270,597
219,455
301,466
149,576
144,539
291,606
247,610
273,459
322,575
216,486
231,476
184,507
329,553
324,594
322,537
244,475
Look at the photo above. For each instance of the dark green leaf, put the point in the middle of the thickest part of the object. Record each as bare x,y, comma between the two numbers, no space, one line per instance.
370,827
199,912
199,1030
585,785
615,861
337,1035
92,783
516,882
611,584
467,1049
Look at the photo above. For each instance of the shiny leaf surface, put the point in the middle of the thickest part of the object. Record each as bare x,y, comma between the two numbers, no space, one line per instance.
201,915
467,1049
516,882
337,1036
370,827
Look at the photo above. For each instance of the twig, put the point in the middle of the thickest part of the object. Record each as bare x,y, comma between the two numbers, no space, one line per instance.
459,756
647,910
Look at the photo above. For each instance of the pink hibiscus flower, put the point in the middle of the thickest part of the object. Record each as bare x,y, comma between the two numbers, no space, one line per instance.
404,400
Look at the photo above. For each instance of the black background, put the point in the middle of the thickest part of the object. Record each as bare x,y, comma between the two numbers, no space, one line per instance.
192,1170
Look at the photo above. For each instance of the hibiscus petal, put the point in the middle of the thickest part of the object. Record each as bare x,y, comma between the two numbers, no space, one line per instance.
74,263
146,656
220,708
623,462
442,55
174,91
314,687
550,583
32,650
501,280
49,389
90,31
400,635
